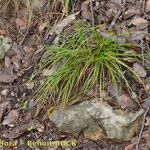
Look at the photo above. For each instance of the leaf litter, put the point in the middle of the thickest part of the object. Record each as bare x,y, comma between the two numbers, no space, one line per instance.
11,118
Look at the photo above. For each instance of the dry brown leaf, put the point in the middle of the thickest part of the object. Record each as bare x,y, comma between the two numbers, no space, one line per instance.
147,37
146,103
146,136
2,32
28,49
86,13
7,61
1,98
23,18
6,78
147,6
137,35
139,70
42,26
132,11
3,107
125,101
23,128
16,51
16,63
130,147
138,21
21,24
11,117
119,2
59,27
147,86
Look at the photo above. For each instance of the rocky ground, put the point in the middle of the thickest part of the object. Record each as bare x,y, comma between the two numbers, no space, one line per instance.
22,40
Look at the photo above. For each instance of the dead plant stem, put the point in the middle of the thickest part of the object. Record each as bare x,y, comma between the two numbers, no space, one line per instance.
92,12
142,128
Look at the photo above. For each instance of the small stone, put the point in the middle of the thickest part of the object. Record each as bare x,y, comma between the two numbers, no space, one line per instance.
31,103
12,94
30,85
41,129
48,72
97,3
5,45
16,105
4,92
11,125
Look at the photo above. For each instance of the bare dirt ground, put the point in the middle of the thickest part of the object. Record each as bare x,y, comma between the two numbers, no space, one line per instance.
18,69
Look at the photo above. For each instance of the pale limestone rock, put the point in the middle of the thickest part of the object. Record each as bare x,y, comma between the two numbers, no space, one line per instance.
117,124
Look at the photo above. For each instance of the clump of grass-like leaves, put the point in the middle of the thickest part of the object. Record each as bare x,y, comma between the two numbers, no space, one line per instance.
84,59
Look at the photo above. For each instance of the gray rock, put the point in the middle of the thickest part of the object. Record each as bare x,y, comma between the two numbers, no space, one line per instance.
81,117
5,45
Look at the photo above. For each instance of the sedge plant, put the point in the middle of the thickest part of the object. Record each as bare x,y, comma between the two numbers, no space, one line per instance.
84,59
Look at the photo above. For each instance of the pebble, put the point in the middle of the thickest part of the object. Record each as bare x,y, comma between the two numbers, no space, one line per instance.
4,92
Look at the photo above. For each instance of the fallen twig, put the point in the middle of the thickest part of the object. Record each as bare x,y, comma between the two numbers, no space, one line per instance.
114,20
141,131
116,17
142,48
143,5
92,13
